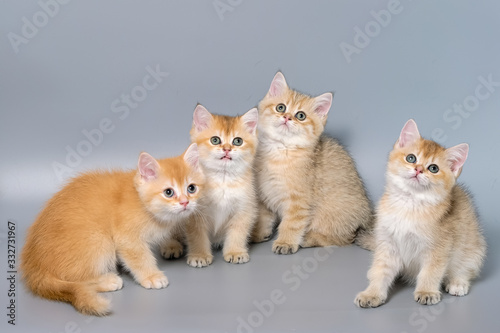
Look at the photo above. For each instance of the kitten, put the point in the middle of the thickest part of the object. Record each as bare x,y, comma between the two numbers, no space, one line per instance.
100,218
426,229
228,207
305,178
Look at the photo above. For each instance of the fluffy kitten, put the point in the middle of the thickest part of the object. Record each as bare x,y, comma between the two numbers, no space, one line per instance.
426,228
228,207
305,178
100,218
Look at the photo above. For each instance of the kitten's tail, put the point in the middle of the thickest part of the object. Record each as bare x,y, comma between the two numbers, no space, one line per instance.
82,295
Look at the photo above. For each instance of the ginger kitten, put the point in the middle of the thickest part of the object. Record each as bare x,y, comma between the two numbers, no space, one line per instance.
101,218
426,227
305,179
228,207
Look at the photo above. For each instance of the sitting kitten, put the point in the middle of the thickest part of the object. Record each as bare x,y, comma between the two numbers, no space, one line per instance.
306,179
228,207
426,228
100,218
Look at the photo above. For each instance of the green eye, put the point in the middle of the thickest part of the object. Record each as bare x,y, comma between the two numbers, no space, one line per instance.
215,140
281,108
192,188
300,116
237,141
433,168
410,158
169,192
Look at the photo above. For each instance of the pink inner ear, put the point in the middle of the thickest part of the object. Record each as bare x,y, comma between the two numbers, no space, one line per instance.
251,119
148,167
457,155
409,133
323,104
201,118
191,156
278,86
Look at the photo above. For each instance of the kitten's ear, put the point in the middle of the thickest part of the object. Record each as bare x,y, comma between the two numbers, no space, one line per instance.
192,157
322,104
148,167
409,134
456,156
278,86
250,120
201,118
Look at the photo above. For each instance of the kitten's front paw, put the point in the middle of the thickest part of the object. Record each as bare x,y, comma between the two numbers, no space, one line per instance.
199,260
427,297
110,282
155,281
284,248
172,250
368,300
237,257
458,289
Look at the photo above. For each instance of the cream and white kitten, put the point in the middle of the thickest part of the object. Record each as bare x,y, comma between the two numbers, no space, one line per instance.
228,208
426,228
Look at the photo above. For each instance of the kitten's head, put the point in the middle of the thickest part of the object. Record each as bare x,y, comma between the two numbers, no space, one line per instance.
225,143
170,188
419,165
290,117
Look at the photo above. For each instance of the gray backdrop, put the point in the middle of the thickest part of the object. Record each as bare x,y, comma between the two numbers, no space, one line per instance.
91,84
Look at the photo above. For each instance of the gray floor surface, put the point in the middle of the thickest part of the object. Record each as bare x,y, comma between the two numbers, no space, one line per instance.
138,68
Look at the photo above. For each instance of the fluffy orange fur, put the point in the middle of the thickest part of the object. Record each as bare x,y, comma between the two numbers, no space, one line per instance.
228,205
102,218
305,179
426,228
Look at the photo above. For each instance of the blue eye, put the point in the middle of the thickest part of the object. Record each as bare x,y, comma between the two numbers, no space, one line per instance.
433,168
168,192
300,116
237,141
410,158
281,107
192,188
215,140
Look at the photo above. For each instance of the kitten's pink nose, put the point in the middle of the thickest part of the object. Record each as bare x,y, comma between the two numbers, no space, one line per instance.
287,118
419,169
226,148
183,200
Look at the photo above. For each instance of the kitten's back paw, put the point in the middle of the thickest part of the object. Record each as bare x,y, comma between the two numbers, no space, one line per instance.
457,289
155,281
427,297
199,260
173,249
237,257
368,300
259,238
284,248
110,282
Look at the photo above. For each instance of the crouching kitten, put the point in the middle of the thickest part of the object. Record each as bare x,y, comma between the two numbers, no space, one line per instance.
102,218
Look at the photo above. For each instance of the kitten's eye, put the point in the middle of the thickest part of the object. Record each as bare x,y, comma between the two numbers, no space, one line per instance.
281,107
168,192
237,141
300,116
215,140
192,188
433,168
410,158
